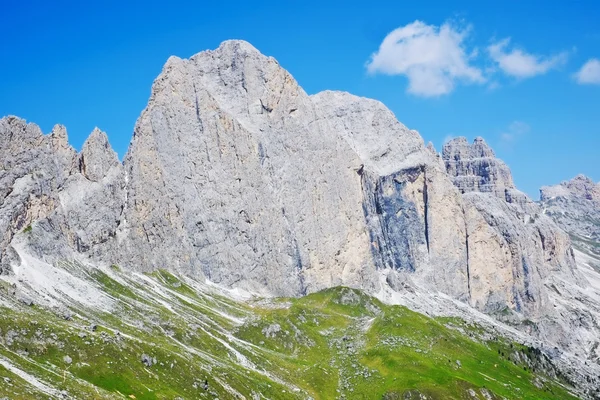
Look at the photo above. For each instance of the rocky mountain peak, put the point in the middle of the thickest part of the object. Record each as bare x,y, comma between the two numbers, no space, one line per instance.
16,130
480,148
59,142
580,187
475,168
59,136
97,156
237,48
575,206
584,187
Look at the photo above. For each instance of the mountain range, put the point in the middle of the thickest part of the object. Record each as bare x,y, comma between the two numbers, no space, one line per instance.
239,183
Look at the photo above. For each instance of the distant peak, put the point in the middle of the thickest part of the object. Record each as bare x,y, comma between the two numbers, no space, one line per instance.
13,119
97,142
582,178
580,186
456,140
583,186
459,146
481,148
18,124
474,167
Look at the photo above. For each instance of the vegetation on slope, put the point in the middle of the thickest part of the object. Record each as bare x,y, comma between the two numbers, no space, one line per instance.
168,338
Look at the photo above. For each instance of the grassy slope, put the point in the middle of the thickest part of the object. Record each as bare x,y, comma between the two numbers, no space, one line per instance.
338,343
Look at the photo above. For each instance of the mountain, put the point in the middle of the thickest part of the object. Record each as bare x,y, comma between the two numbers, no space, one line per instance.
236,177
575,206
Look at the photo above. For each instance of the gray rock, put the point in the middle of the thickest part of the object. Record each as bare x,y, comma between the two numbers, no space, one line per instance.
474,167
575,206
580,187
512,246
25,300
64,203
271,331
237,180
67,360
32,169
97,158
147,360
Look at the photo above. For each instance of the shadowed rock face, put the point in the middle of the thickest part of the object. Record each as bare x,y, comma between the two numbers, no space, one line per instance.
236,175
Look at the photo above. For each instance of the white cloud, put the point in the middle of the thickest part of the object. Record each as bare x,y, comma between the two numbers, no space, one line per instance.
515,130
493,85
448,138
589,73
521,64
433,59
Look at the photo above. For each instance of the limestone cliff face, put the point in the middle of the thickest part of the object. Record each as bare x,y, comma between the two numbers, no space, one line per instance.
411,209
513,247
236,175
233,178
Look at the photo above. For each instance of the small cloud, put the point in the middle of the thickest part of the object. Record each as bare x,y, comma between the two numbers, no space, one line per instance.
515,130
589,74
520,64
432,58
493,85
448,138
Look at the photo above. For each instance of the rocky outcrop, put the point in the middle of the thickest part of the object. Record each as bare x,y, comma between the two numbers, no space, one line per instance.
575,206
97,157
232,177
475,168
34,168
90,208
512,246
62,205
411,208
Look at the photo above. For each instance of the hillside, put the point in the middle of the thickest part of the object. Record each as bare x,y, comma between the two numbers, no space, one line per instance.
154,336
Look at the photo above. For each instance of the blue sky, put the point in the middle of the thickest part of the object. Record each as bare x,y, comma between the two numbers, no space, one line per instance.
512,72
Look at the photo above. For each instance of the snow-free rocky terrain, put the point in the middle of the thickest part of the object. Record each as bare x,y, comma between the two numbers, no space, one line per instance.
216,260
